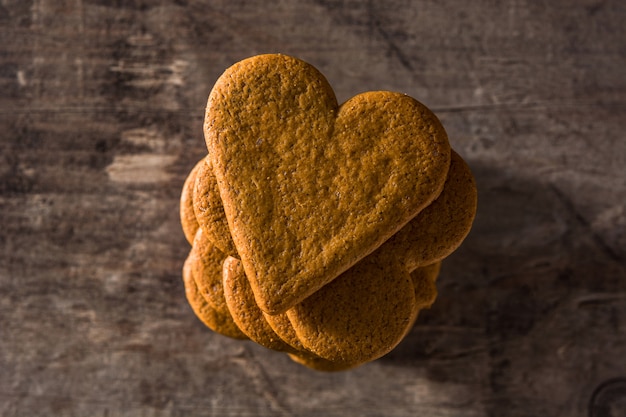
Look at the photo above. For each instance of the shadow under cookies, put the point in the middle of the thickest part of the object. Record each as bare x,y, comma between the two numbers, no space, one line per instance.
532,297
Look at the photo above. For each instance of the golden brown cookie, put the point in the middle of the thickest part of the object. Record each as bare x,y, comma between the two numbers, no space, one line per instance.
209,211
250,319
284,329
360,316
246,314
240,302
207,268
310,188
187,216
441,227
218,322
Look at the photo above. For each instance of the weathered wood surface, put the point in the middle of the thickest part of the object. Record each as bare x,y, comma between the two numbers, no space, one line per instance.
100,119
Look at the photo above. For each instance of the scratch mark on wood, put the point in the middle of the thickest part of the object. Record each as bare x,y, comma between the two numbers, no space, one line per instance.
569,205
393,48
589,300
258,375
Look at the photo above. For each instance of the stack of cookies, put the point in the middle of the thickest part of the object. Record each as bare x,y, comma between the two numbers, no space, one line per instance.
318,229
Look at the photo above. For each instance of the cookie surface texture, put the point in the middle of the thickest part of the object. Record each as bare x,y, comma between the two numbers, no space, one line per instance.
209,211
214,320
207,267
284,329
250,319
246,314
360,316
309,187
440,228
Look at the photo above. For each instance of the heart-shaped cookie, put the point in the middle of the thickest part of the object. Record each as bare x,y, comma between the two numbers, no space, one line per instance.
309,187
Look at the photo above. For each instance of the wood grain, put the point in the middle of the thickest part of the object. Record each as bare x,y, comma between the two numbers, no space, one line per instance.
101,110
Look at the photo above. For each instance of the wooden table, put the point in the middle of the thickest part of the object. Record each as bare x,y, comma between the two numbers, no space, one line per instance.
101,112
